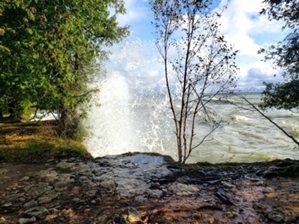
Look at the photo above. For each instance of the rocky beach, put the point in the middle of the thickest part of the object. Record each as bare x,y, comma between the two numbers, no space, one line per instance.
148,189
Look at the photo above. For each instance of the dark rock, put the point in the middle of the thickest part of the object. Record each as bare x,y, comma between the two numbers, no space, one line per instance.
39,212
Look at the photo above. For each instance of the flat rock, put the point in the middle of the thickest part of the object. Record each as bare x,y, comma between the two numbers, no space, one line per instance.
39,211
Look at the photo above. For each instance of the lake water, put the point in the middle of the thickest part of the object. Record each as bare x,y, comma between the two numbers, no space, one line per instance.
131,113
121,121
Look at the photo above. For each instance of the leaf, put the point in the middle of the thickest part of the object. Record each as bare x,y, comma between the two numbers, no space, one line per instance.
2,31
30,31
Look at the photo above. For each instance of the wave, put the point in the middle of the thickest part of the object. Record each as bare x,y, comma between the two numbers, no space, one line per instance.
241,118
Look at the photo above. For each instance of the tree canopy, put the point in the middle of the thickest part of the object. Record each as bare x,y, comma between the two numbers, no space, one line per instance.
285,54
49,51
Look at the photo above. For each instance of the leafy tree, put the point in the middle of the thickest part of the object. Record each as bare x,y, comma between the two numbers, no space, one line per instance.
10,43
50,49
285,54
197,56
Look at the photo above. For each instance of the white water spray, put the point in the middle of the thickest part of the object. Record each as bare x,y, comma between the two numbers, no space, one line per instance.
110,124
131,113
122,118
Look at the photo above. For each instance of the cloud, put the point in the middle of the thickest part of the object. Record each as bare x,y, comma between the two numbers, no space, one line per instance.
253,75
241,25
135,11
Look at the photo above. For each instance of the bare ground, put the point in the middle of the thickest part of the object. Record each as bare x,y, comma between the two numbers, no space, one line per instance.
228,193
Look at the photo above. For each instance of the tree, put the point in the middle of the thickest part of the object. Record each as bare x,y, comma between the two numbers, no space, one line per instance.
50,49
197,56
285,54
11,54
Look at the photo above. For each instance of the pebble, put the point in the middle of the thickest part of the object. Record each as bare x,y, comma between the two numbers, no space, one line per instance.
130,215
268,190
154,193
2,220
181,189
276,216
228,185
3,170
39,211
24,220
30,204
259,206
6,205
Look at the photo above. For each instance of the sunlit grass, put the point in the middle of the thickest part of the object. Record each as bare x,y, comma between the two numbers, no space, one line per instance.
28,141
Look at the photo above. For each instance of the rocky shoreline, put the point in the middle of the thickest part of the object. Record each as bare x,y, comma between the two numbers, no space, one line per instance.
143,188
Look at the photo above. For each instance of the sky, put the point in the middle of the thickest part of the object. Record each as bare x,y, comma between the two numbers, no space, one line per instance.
136,57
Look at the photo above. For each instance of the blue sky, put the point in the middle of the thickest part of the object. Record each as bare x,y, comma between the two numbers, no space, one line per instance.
136,57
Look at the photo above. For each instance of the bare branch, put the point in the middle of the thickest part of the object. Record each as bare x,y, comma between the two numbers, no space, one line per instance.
269,119
202,65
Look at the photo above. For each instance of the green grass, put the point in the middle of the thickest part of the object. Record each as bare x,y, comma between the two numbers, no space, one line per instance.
34,141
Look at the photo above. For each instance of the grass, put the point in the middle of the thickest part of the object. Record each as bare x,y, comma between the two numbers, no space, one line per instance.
34,141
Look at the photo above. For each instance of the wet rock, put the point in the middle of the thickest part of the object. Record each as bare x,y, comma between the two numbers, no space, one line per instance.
81,169
184,179
54,211
259,183
76,200
24,178
14,197
227,184
38,189
140,198
24,220
91,193
2,220
3,170
64,164
30,204
50,217
50,175
231,215
268,190
181,189
211,220
130,215
130,186
276,216
157,173
259,206
32,219
48,196
105,176
63,180
154,193
39,212
6,205
109,184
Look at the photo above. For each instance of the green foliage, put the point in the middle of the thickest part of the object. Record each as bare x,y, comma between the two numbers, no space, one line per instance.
49,50
28,109
281,96
3,106
285,55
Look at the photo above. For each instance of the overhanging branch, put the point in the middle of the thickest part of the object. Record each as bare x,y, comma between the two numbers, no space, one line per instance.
269,119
